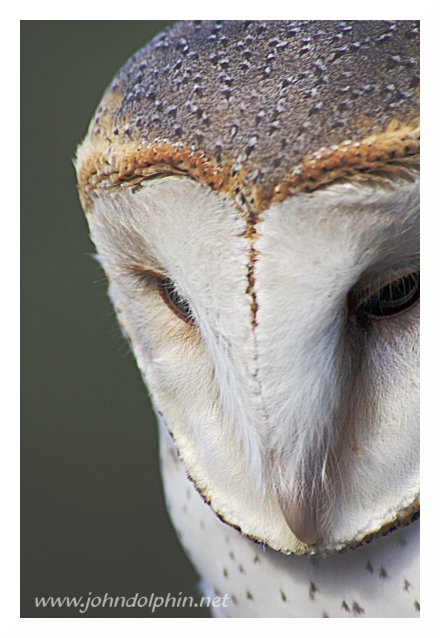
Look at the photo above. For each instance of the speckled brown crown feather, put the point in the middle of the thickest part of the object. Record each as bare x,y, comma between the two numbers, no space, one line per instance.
259,110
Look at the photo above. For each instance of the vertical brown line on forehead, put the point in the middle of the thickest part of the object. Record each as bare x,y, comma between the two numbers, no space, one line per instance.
248,201
251,235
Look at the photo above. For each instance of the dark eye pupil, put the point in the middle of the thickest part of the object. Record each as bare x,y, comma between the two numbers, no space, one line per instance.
174,299
393,298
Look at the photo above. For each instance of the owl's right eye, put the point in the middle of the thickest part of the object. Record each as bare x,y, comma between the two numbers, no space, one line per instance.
393,298
174,300
167,289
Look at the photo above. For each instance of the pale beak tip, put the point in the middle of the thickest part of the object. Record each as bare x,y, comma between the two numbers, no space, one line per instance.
301,519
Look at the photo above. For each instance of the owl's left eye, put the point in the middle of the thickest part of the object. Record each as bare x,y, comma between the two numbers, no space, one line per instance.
392,299
174,300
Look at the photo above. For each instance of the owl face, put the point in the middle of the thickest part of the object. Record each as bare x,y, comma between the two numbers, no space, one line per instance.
280,350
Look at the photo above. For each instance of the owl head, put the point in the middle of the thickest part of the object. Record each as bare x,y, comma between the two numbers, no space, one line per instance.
252,189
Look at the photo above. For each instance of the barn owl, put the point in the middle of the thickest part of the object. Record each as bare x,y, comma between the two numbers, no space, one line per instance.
252,189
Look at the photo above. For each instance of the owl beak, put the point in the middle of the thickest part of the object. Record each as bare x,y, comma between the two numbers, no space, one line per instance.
300,515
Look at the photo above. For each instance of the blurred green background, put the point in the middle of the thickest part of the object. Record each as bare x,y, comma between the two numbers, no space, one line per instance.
93,514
